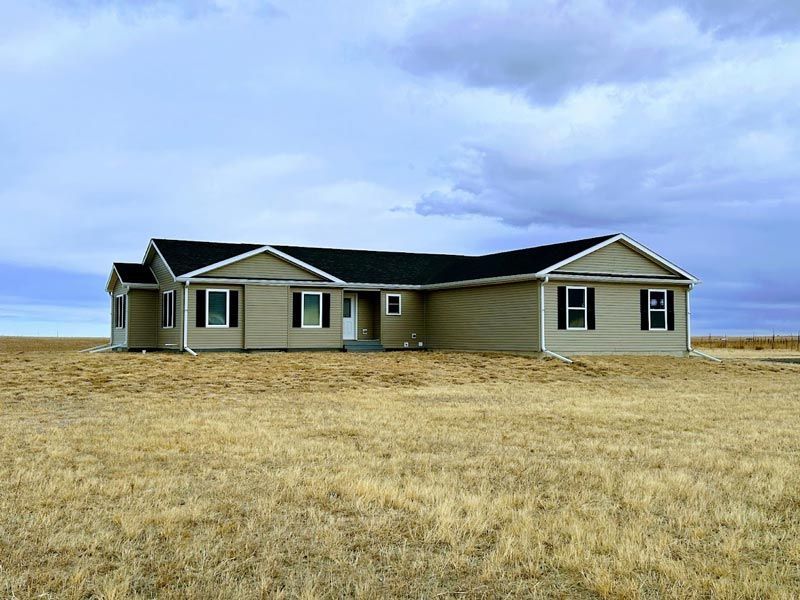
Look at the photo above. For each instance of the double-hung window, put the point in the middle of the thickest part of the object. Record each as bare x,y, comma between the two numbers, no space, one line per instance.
394,304
168,309
312,310
657,309
120,310
576,308
217,308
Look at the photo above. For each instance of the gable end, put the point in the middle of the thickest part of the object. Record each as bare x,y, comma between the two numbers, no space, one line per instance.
263,266
617,258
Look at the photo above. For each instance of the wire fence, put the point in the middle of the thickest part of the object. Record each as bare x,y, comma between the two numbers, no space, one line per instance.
753,342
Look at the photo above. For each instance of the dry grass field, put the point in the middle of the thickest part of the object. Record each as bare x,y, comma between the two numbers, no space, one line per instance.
401,474
755,342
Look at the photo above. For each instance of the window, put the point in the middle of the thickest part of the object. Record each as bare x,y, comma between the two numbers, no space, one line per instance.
168,309
217,308
347,308
657,309
120,310
393,304
312,309
576,308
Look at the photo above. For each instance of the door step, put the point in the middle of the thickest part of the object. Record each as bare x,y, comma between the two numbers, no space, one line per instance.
363,346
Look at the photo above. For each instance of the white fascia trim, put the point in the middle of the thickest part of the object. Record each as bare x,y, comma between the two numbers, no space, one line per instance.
647,280
152,244
628,240
111,276
479,282
299,283
255,252
141,286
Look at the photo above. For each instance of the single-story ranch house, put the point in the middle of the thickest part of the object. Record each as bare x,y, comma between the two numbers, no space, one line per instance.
607,294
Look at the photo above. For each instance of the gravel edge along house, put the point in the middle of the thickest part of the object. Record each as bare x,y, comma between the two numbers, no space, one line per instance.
602,295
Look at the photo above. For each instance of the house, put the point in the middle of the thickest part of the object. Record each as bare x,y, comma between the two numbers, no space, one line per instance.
606,294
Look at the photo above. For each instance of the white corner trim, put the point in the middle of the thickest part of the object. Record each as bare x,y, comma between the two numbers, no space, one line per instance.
630,241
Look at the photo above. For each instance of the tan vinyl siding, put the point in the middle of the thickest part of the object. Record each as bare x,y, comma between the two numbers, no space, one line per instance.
368,316
215,338
168,338
396,329
494,317
267,317
143,321
316,338
618,323
263,266
118,336
160,270
615,258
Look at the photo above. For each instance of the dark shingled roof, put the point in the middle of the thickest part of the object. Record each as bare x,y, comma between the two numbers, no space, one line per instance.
369,266
134,273
366,266
184,256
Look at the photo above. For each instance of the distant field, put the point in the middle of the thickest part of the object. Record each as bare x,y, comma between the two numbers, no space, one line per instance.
400,474
47,344
755,342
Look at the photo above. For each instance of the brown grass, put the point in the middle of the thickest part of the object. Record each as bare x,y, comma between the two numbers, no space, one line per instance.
405,474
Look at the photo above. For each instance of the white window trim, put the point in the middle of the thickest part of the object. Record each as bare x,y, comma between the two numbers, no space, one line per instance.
584,308
171,305
303,310
651,310
227,308
119,309
399,305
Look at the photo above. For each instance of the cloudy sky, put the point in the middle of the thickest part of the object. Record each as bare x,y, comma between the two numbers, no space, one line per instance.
461,126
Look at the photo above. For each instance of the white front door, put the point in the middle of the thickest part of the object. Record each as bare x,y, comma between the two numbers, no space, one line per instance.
349,317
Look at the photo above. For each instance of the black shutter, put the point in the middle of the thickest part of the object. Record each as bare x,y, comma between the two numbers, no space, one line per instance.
643,310
174,302
670,310
200,309
590,324
297,300
163,310
326,310
233,298
562,307
125,310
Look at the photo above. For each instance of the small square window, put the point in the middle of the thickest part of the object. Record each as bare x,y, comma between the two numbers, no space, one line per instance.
393,304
